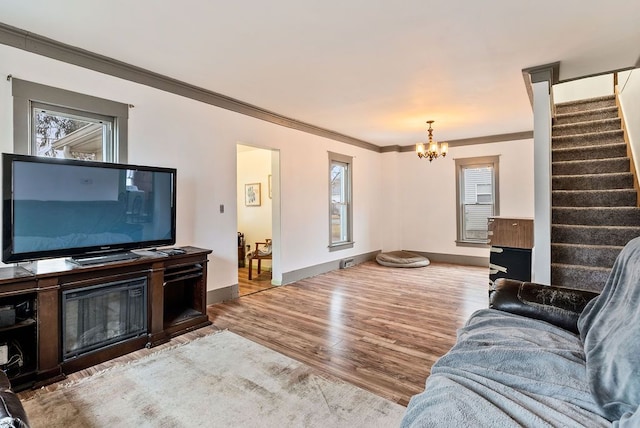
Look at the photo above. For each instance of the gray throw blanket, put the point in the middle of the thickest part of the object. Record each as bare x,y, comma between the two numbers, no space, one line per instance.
610,330
508,370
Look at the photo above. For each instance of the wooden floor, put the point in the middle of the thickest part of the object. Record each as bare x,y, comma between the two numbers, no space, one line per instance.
376,327
257,283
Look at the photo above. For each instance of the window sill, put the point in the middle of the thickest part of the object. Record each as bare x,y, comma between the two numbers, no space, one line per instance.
341,246
475,244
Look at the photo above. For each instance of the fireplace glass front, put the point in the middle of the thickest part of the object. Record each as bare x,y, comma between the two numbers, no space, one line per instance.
101,315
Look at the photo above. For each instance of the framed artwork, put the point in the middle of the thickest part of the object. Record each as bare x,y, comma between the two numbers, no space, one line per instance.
252,195
270,193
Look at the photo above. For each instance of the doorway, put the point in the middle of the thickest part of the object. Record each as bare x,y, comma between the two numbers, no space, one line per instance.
258,218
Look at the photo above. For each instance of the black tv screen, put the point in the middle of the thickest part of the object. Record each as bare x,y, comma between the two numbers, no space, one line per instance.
60,207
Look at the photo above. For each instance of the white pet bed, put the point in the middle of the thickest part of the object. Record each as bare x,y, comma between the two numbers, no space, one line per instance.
402,259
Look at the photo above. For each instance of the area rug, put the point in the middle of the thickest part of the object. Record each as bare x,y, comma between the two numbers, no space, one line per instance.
220,380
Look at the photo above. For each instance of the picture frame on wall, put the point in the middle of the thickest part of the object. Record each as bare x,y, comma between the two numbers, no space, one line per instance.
270,191
252,195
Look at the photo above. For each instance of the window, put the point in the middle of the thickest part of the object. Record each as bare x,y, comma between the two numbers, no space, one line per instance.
65,133
58,123
340,202
477,198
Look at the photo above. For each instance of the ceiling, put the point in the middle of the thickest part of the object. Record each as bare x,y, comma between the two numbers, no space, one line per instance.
375,70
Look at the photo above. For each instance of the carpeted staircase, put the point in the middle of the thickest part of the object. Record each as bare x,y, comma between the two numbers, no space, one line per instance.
594,203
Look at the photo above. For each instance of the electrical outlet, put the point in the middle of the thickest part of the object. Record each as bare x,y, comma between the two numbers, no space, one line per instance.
4,354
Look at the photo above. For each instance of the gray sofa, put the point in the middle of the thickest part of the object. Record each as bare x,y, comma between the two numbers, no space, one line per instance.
543,356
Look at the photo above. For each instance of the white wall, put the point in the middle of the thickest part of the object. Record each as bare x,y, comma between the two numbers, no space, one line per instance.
399,200
254,166
390,194
428,194
596,86
200,141
305,196
629,90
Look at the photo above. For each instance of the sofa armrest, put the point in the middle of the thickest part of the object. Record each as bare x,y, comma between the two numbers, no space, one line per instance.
559,306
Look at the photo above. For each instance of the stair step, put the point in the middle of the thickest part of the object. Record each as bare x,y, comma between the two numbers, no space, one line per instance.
585,255
589,139
592,166
593,235
612,216
594,212
588,104
579,128
582,116
580,277
615,150
594,198
618,180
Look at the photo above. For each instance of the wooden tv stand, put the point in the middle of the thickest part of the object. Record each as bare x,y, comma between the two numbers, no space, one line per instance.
175,303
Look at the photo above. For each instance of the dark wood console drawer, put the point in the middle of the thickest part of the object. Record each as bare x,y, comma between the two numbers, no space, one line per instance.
510,232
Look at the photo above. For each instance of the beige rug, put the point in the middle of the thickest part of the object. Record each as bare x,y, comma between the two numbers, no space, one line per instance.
220,380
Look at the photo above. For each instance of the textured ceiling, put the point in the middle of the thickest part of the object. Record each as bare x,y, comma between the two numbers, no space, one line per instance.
375,70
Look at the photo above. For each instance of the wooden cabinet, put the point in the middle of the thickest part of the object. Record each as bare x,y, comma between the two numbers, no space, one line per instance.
174,303
511,242
18,333
510,232
179,303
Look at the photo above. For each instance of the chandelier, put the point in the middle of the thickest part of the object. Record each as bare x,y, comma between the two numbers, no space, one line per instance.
433,150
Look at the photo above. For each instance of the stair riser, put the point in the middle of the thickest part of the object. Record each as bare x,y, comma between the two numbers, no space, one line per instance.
610,113
593,182
603,166
578,278
565,142
598,152
596,216
584,106
584,256
591,236
586,127
603,198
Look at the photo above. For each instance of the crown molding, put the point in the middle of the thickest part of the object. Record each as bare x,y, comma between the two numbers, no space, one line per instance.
34,43
40,45
388,149
513,136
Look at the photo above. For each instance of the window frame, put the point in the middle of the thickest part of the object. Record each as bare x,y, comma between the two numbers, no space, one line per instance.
476,162
348,161
26,94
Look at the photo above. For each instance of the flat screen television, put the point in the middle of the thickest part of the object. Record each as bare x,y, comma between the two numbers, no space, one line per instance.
72,208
